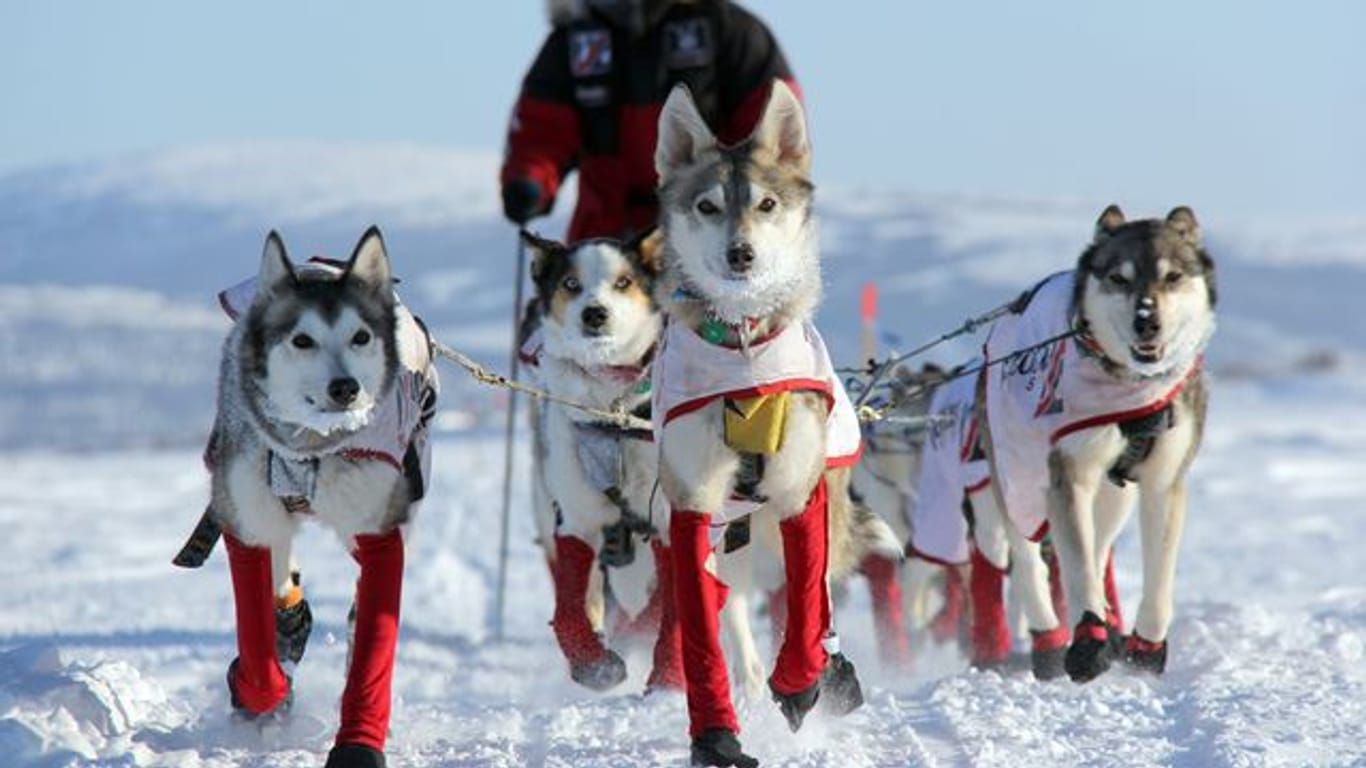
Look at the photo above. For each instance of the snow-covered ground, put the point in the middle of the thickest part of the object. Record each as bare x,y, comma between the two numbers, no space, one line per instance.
108,336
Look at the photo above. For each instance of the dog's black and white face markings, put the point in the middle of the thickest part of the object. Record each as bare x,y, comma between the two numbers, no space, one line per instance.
321,348
595,297
738,218
1146,289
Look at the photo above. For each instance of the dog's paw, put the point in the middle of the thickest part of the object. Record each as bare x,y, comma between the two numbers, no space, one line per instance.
720,747
795,706
841,692
1145,655
601,674
1090,653
262,702
354,756
292,628
1046,653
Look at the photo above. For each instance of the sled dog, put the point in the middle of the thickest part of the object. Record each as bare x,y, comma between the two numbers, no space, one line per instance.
754,428
325,392
1076,428
955,521
596,329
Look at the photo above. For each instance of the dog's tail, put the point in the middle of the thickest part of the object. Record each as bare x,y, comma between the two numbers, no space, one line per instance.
855,530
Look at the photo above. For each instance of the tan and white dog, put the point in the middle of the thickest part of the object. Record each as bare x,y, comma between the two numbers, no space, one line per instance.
1077,428
596,329
755,431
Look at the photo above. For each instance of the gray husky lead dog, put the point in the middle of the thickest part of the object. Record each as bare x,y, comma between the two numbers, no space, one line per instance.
753,425
325,392
1077,428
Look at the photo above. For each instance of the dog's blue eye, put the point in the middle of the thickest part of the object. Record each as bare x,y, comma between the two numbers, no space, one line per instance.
767,205
1118,280
302,341
622,283
707,208
571,284
361,338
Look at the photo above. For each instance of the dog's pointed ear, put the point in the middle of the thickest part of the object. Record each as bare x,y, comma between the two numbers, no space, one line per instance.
683,134
275,265
1111,219
369,264
1182,219
647,248
782,128
543,252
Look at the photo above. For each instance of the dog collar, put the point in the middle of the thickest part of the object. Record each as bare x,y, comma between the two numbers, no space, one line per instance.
627,374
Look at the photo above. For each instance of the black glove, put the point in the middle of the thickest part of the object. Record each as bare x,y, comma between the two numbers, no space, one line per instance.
522,200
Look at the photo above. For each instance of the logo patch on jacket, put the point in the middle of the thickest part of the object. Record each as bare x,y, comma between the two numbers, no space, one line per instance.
687,43
590,52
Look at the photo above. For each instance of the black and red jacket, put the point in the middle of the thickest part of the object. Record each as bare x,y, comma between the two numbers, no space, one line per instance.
591,102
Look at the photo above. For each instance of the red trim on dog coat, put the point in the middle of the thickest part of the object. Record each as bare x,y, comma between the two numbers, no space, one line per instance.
698,596
260,682
366,701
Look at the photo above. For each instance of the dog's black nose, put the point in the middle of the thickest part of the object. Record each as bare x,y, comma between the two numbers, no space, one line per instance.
343,390
594,316
1146,323
740,257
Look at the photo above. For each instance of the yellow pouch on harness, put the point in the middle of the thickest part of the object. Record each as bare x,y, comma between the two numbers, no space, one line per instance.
755,424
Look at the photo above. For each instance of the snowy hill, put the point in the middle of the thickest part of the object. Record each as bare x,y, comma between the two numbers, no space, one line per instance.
109,338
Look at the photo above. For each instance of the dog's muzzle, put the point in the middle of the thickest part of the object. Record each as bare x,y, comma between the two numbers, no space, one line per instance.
740,257
594,317
1147,326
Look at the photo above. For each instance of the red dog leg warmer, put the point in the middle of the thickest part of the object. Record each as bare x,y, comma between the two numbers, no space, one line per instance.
802,657
1113,615
259,681
894,647
990,630
698,596
366,701
573,566
944,626
1055,589
667,671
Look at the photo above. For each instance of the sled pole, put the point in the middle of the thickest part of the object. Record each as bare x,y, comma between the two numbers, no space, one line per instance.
500,589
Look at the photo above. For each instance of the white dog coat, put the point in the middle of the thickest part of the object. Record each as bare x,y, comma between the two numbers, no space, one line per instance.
1039,397
950,468
690,372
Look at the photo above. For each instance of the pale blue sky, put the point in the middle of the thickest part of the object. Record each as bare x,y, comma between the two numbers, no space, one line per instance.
1246,107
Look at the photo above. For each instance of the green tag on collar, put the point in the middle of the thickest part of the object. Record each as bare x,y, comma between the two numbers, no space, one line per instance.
642,386
713,330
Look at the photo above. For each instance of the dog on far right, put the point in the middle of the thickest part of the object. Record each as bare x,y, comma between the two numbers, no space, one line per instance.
1078,427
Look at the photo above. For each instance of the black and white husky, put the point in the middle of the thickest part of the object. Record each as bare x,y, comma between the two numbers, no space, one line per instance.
755,431
1078,427
325,391
596,328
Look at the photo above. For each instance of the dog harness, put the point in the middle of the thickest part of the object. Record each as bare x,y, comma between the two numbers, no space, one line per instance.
952,466
1036,398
